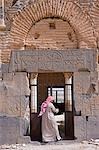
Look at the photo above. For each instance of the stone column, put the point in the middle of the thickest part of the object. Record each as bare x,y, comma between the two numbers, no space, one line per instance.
2,22
68,102
33,82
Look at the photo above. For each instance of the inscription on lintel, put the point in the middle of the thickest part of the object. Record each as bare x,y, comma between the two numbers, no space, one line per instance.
69,60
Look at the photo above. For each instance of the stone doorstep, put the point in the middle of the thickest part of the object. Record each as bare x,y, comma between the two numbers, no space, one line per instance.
23,139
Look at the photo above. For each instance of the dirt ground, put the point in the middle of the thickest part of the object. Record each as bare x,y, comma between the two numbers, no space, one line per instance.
61,145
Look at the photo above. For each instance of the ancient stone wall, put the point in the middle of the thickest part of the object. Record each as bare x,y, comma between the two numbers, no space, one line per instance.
14,91
86,100
14,102
49,24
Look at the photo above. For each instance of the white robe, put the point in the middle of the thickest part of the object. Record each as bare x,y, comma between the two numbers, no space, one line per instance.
49,126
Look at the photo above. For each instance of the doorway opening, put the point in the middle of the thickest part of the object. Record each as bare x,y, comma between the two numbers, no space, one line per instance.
54,84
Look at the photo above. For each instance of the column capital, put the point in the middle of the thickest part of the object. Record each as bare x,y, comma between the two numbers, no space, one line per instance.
33,78
67,75
33,75
2,27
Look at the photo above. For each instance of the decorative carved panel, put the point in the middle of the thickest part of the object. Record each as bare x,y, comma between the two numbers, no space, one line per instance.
69,60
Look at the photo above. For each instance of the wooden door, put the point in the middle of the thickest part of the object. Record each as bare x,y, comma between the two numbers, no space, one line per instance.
35,127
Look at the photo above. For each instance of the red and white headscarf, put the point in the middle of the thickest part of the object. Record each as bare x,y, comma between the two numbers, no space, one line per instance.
45,104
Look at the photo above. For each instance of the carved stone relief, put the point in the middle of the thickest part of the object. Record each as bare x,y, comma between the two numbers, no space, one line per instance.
70,60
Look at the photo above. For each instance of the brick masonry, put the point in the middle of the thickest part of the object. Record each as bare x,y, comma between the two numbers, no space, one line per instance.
49,25
82,24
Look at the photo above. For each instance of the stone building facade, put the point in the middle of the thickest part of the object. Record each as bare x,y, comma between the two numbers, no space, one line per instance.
47,42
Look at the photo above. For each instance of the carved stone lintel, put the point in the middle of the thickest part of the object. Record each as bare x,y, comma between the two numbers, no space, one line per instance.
69,60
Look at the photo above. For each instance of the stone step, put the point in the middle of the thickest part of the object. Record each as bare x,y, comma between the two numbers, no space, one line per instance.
24,139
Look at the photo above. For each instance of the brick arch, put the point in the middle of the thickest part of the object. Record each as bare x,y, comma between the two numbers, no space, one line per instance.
63,9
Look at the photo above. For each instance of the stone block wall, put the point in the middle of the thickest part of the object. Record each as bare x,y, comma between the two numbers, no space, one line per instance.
14,91
86,97
14,104
9,130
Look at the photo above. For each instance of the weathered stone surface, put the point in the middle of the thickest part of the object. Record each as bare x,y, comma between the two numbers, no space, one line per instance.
13,94
12,130
53,60
9,130
80,127
86,127
14,89
86,100
92,126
